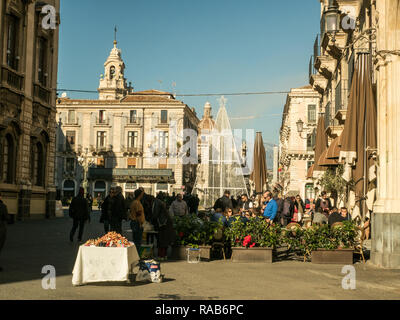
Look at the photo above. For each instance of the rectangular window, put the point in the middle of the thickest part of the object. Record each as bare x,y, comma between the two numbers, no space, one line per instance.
131,163
71,117
101,139
309,164
42,63
70,165
312,113
163,140
12,42
132,139
102,116
133,116
70,136
311,141
164,116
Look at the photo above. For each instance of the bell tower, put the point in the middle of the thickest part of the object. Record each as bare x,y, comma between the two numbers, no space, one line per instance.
113,83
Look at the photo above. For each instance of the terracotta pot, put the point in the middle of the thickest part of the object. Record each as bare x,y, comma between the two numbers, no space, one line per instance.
338,256
252,255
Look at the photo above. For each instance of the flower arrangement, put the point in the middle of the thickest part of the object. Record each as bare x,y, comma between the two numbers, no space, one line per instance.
255,232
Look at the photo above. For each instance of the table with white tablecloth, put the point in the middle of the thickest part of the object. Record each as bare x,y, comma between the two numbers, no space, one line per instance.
101,264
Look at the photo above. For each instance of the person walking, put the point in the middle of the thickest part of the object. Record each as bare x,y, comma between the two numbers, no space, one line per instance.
79,212
106,210
136,215
3,225
118,211
178,207
164,225
89,200
279,201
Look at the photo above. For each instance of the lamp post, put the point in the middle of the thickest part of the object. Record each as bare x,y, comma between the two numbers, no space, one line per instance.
83,162
332,22
300,128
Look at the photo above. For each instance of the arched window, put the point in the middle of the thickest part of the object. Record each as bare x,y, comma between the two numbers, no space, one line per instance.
38,163
112,72
8,159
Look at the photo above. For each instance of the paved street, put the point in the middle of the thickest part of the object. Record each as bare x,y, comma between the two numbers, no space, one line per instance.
32,244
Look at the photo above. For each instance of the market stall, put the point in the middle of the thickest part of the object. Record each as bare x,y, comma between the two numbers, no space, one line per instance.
110,258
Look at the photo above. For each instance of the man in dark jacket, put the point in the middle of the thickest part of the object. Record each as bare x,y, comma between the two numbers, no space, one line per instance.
279,202
106,210
287,211
224,202
118,211
163,224
3,228
325,203
79,212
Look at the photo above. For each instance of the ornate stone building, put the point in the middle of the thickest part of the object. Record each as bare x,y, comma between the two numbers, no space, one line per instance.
296,153
126,138
28,78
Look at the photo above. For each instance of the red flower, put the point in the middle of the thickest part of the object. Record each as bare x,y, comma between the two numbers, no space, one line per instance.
253,245
181,234
246,241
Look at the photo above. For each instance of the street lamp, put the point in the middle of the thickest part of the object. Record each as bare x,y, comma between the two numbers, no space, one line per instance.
83,162
300,125
332,22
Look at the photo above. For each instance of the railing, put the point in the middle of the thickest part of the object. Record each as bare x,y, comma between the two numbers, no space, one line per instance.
134,121
317,47
338,97
328,117
12,78
103,121
41,93
341,96
311,68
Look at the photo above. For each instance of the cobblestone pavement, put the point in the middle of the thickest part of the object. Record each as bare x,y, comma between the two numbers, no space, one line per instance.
34,243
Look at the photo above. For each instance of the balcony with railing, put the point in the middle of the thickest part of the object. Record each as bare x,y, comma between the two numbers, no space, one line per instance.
341,96
332,126
11,78
134,121
129,151
41,93
102,121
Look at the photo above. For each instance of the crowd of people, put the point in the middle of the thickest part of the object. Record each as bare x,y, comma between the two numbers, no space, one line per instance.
280,210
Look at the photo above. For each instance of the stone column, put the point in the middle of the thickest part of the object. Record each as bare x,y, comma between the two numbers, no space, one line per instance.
386,217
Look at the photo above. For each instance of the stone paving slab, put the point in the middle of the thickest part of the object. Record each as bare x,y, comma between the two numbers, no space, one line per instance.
32,244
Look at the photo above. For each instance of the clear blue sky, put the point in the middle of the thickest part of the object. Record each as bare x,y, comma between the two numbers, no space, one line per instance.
207,46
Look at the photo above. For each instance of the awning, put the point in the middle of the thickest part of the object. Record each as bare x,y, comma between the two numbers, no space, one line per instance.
334,149
310,172
324,162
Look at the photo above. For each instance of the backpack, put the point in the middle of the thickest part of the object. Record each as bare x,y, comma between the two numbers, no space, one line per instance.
286,212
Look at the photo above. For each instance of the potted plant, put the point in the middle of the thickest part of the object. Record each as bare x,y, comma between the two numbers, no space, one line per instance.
192,232
253,241
324,244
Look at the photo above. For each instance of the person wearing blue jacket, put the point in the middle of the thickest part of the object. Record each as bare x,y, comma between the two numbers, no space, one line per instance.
272,207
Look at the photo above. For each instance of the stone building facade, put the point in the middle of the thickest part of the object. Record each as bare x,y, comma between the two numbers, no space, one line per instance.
28,78
296,153
126,138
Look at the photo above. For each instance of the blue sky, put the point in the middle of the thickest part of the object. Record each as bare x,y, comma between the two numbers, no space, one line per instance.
208,46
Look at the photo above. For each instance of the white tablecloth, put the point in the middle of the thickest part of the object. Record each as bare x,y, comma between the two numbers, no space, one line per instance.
99,264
